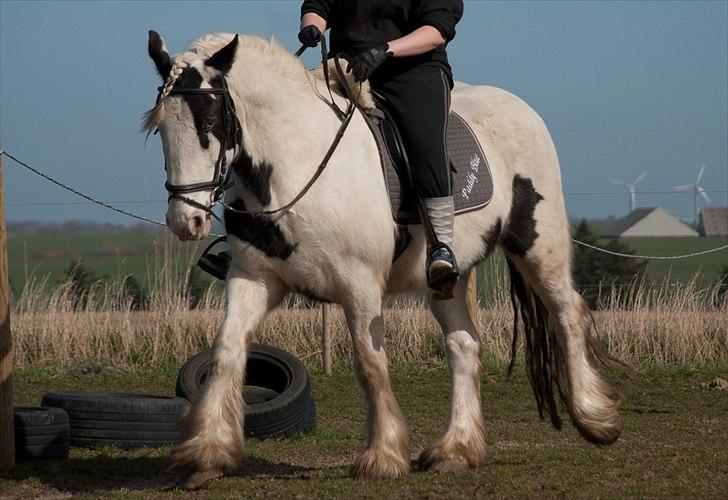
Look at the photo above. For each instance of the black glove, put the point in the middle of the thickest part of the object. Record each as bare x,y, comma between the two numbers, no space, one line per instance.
310,35
365,63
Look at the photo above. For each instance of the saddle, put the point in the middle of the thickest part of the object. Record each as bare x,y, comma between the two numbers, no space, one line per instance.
472,181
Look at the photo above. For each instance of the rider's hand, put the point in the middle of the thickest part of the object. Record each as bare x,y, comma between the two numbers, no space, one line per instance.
310,35
365,63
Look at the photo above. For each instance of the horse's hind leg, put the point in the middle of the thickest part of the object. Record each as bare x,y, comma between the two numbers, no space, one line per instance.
463,444
387,454
558,324
212,431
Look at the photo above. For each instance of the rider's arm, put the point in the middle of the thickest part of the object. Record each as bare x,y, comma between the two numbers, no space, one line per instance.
423,39
315,12
438,19
310,18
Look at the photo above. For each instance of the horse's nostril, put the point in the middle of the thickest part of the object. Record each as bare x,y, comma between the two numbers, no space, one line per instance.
198,221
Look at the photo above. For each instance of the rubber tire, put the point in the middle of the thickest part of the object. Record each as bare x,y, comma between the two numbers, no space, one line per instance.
291,411
40,433
119,419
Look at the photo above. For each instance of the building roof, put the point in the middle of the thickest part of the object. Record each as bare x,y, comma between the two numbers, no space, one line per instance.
713,221
649,221
627,221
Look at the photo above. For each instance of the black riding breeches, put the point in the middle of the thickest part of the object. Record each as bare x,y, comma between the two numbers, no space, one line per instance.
419,97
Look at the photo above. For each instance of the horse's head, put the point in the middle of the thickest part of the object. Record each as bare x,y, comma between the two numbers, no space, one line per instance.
196,120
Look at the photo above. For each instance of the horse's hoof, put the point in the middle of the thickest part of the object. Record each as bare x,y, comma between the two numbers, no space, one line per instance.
440,458
200,479
379,464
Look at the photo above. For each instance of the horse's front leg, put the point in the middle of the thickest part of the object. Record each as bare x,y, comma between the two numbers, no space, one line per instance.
387,454
212,432
463,444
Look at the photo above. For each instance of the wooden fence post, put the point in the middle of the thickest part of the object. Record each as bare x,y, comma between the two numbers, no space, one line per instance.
7,437
326,337
472,294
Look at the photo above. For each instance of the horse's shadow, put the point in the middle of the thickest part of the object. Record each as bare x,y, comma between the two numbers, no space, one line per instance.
102,473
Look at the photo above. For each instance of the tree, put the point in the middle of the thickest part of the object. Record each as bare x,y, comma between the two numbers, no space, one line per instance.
592,268
133,291
722,287
79,281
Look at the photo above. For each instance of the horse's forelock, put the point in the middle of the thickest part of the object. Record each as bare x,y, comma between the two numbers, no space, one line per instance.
202,48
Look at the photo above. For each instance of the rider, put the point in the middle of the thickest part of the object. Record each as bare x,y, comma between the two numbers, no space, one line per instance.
399,46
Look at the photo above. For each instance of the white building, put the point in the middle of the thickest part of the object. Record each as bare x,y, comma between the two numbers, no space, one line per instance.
653,221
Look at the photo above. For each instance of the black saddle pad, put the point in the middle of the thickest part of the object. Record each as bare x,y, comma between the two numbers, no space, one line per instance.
472,182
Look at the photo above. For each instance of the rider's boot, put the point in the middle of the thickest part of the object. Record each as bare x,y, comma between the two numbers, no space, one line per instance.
438,216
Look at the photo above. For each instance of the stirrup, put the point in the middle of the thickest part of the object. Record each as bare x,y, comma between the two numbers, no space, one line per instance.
443,283
218,264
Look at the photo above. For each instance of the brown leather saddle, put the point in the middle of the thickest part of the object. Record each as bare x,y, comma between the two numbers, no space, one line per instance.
472,181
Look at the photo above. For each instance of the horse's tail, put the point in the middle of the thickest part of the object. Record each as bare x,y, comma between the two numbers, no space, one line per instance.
548,366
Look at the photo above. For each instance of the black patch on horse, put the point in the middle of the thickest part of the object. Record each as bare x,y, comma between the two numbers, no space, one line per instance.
258,230
491,237
206,110
256,178
520,234
402,239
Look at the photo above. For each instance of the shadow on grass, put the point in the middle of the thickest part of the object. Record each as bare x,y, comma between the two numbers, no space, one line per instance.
100,473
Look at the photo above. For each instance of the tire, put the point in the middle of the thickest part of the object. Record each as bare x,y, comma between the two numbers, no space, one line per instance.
41,433
281,405
118,419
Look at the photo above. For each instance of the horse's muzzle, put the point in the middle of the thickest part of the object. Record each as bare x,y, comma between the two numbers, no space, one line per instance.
196,227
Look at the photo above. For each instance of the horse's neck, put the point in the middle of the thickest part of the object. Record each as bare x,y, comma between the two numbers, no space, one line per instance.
285,126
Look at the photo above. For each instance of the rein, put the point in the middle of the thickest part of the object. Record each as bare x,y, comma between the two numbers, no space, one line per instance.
221,181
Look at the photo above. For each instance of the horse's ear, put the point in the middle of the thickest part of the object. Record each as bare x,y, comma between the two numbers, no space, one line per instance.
158,53
223,59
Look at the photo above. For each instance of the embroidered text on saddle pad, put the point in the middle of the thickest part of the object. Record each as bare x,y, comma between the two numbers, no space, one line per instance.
472,182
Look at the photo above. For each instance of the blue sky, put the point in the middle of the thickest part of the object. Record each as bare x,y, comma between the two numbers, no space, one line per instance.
624,87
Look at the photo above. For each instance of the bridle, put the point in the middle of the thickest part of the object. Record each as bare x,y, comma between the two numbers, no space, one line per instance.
221,178
222,181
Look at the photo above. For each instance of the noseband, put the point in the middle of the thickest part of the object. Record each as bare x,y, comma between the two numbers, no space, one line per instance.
221,178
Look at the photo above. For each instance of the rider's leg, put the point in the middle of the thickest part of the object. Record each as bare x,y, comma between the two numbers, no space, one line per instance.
420,101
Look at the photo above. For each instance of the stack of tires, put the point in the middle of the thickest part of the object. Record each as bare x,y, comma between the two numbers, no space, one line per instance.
277,396
41,433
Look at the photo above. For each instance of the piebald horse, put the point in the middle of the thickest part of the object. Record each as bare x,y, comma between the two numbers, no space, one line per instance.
247,103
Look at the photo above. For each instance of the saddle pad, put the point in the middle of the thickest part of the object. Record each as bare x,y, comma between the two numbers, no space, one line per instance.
472,182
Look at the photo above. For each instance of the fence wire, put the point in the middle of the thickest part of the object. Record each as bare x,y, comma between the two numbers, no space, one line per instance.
158,223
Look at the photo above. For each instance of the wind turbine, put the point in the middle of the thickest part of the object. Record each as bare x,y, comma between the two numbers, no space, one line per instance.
696,188
631,189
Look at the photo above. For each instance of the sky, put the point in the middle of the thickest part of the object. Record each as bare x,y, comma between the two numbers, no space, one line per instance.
624,87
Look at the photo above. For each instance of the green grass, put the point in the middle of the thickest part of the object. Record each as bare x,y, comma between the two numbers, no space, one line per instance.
50,255
108,255
709,265
113,255
674,443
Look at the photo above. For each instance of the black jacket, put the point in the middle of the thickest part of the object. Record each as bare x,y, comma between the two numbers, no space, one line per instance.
357,25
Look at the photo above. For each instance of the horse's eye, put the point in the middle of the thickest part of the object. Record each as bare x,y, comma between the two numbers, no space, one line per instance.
210,125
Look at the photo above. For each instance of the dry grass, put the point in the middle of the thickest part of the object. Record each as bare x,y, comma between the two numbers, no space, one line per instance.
679,325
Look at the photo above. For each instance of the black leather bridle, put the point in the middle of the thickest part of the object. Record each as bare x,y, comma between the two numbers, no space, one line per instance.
221,178
230,126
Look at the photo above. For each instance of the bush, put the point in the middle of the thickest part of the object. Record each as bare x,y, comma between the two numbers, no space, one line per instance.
79,282
594,270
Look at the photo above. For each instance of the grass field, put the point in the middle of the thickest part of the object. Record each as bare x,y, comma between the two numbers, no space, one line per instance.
709,266
116,255
674,443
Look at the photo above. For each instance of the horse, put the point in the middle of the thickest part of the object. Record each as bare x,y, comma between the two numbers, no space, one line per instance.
242,102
